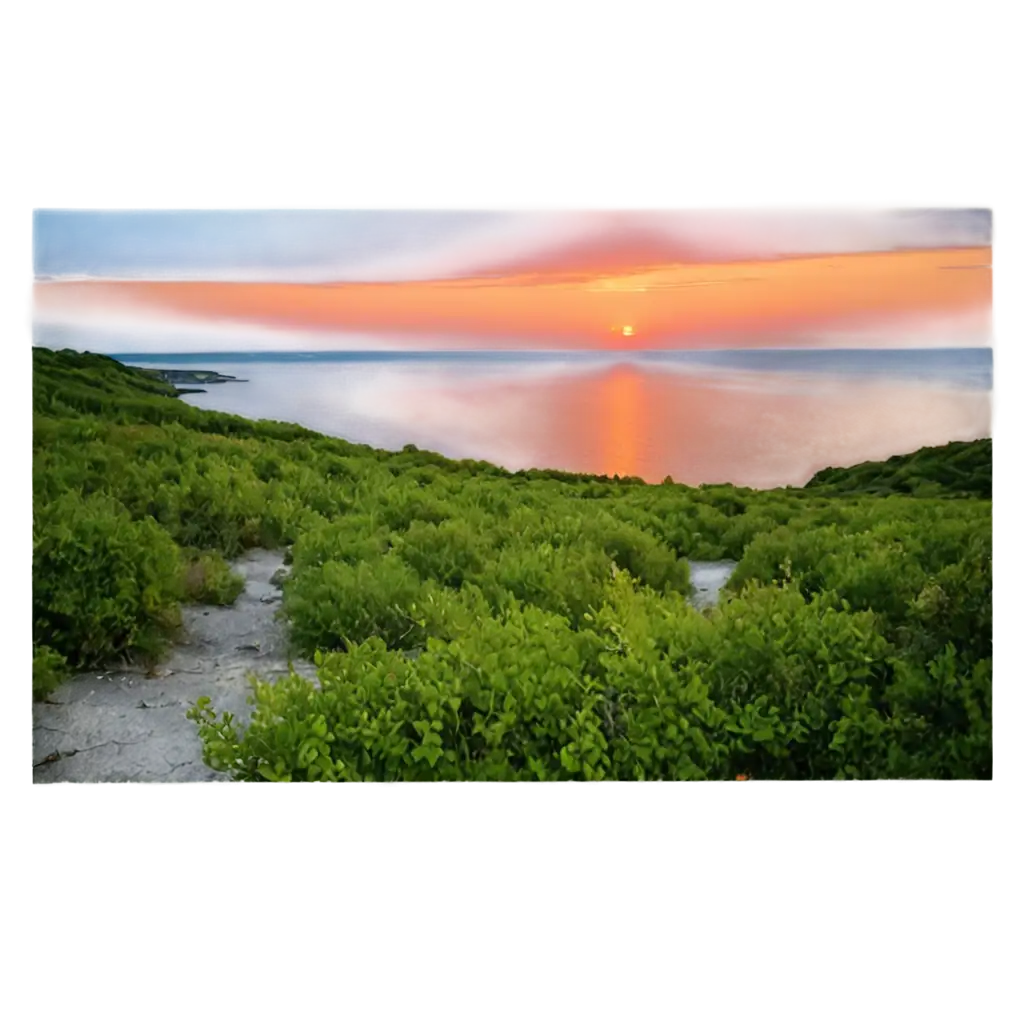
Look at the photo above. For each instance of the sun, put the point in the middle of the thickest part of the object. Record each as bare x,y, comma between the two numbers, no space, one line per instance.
621,330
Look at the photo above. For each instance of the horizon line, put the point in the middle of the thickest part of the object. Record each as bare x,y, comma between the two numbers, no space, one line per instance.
401,353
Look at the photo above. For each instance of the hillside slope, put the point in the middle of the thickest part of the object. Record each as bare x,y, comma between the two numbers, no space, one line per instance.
960,469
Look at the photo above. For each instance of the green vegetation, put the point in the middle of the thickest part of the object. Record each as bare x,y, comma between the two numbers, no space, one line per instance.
208,579
471,623
48,670
961,468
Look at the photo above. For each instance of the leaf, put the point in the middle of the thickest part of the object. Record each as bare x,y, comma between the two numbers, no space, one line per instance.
428,754
569,763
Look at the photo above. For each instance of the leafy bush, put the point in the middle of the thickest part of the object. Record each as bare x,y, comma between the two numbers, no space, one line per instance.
208,579
104,585
336,605
49,669
448,552
641,555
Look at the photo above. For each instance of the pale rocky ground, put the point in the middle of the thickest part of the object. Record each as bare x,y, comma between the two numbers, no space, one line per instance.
130,726
707,579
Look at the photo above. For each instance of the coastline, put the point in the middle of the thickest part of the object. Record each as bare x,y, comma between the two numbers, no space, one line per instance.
189,378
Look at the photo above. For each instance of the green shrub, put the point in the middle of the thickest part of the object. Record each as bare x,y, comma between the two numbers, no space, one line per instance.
49,670
563,581
641,555
449,552
208,579
776,653
337,604
350,539
508,700
104,585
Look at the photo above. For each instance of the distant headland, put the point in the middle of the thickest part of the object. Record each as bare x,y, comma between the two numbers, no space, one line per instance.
178,377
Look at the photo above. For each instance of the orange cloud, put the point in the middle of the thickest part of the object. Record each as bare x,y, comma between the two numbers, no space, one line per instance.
667,305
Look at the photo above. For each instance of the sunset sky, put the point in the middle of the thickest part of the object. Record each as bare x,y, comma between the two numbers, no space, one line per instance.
308,280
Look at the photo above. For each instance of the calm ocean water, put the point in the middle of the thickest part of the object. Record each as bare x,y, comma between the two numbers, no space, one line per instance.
761,418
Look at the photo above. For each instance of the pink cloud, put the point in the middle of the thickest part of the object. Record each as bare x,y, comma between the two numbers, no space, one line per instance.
580,242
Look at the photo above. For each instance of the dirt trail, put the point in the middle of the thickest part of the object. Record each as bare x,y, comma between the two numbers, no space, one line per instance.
127,726
130,726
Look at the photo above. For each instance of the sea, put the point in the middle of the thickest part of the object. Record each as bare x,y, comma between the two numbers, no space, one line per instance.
759,418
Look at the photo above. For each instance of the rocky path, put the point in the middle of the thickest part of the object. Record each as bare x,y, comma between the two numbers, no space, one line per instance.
707,579
130,726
